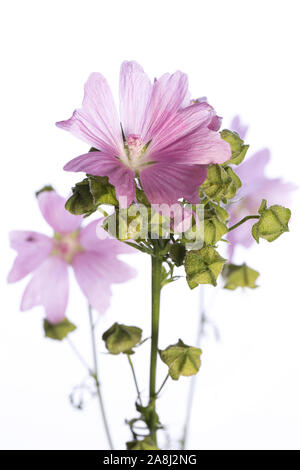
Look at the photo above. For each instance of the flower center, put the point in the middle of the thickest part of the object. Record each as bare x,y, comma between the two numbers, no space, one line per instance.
135,152
66,246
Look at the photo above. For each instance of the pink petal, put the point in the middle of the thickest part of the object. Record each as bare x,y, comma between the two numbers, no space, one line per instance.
168,95
52,207
182,124
103,164
94,238
202,146
32,248
135,93
97,122
254,167
49,287
215,123
237,126
166,182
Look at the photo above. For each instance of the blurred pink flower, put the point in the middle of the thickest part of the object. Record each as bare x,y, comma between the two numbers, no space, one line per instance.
94,261
164,138
255,187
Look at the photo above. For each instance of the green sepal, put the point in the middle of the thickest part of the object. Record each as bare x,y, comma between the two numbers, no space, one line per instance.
203,266
58,331
177,253
272,223
238,149
181,359
44,189
141,197
102,191
221,183
81,201
214,223
239,276
145,444
127,227
91,193
121,338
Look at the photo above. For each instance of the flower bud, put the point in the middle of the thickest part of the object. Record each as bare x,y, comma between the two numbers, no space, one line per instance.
121,338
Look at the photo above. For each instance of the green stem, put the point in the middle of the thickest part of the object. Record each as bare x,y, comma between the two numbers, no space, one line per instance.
135,380
95,375
248,217
156,288
162,385
78,355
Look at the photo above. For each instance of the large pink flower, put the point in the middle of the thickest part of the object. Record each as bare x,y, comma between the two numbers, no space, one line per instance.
94,261
255,187
163,138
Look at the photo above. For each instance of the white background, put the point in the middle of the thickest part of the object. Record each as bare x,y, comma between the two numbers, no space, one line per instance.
243,55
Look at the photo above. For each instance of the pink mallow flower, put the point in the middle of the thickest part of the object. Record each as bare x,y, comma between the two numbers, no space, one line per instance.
255,187
164,139
93,260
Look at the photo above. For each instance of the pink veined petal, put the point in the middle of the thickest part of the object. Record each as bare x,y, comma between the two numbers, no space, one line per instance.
49,287
103,164
215,123
97,122
32,248
201,146
237,126
180,125
95,273
182,220
91,276
135,93
165,183
168,95
94,238
52,206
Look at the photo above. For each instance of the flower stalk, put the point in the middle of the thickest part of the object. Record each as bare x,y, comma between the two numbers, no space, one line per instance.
156,289
95,375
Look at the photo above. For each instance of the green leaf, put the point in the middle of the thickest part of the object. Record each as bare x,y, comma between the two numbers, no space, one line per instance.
43,189
239,276
238,149
145,444
203,266
221,183
181,359
121,338
177,253
273,222
58,331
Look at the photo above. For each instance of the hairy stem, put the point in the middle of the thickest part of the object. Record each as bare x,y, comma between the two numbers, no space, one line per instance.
95,375
248,217
156,288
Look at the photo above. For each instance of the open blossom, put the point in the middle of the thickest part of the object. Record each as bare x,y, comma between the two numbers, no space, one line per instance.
164,139
255,187
93,260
